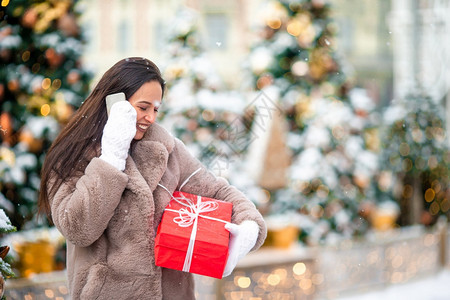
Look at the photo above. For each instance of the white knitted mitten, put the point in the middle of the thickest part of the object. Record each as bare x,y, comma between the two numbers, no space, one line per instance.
242,240
118,133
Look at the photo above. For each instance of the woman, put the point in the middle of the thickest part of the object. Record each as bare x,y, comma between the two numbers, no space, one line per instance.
100,187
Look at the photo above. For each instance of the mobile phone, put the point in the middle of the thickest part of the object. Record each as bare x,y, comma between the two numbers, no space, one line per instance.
113,98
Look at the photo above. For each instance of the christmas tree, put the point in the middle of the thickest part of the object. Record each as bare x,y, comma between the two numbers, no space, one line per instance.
331,129
41,83
416,159
198,108
192,84
5,268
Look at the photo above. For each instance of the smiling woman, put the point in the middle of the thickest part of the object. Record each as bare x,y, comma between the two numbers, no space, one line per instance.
101,186
146,100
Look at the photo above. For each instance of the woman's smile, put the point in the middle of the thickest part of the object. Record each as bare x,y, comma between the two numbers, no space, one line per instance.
143,127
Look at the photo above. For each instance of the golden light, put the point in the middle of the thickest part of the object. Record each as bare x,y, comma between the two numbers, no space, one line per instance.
56,84
299,268
294,27
404,149
274,23
45,110
208,115
26,56
49,293
7,156
273,14
266,198
434,208
305,284
429,195
303,186
63,290
281,272
5,3
273,279
244,282
407,164
307,36
323,191
432,162
436,185
445,205
46,83
417,135
317,211
61,109
439,134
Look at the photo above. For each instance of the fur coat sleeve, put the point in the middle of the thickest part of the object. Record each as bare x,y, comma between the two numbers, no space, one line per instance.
83,207
206,184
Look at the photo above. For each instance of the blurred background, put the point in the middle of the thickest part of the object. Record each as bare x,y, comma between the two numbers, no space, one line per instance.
331,116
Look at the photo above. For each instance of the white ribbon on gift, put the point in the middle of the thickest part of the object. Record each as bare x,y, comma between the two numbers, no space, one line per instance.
189,215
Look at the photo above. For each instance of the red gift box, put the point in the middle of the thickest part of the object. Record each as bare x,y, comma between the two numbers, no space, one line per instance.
191,236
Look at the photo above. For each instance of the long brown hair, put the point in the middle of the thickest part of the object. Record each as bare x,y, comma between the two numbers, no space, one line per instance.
80,139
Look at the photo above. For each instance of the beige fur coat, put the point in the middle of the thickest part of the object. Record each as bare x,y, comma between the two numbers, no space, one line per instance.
109,219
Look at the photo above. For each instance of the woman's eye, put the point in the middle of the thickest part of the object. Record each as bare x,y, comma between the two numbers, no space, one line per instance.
156,110
143,108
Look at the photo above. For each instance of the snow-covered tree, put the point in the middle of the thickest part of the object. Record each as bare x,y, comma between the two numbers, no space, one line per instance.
198,108
5,268
416,158
41,82
332,131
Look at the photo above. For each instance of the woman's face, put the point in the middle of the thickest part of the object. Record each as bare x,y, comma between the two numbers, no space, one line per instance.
146,101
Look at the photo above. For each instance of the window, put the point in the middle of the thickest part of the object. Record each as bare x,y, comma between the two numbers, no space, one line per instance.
123,41
217,26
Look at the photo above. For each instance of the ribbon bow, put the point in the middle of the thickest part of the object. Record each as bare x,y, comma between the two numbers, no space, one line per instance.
187,216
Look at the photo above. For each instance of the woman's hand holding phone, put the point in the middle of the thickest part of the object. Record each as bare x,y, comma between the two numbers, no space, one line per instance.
118,133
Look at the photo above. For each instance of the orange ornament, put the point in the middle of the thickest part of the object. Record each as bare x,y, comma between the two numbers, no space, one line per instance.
26,137
6,122
13,85
30,18
73,77
68,25
54,58
6,127
264,81
63,111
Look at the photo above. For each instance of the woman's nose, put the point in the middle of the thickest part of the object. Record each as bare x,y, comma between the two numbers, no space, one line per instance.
150,117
